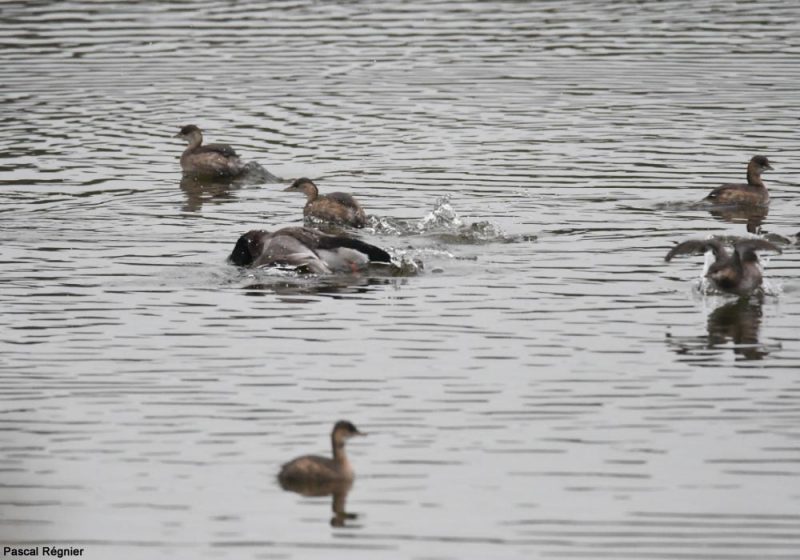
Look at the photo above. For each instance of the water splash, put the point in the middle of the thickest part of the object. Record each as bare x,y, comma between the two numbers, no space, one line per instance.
705,287
444,224
442,217
384,225
254,173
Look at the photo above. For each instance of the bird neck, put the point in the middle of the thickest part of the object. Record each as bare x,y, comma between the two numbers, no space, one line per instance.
754,176
195,140
339,454
311,191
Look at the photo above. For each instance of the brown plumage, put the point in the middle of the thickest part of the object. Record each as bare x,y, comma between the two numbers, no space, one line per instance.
753,193
737,272
337,207
315,469
211,160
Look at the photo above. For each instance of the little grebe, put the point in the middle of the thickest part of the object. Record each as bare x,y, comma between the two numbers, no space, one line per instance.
313,468
336,207
753,193
211,160
737,272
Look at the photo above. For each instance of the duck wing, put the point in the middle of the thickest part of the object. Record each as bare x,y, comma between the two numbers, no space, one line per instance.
316,240
746,248
335,242
307,236
285,247
697,247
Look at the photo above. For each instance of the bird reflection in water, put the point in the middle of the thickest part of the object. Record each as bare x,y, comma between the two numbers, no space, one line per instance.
338,490
290,284
199,192
737,322
340,287
753,216
217,190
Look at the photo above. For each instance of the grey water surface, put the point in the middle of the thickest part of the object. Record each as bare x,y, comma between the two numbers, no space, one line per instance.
547,387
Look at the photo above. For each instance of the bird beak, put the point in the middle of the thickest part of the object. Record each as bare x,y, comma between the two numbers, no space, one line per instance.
363,434
177,135
768,166
289,188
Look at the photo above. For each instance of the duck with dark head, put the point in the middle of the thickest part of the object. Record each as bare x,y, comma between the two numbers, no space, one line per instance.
737,272
306,250
754,193
337,207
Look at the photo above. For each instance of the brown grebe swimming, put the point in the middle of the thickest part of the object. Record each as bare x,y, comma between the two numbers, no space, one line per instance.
317,469
336,207
209,161
754,193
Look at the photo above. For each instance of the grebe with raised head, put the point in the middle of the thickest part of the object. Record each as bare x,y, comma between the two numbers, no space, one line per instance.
754,193
317,469
211,160
336,207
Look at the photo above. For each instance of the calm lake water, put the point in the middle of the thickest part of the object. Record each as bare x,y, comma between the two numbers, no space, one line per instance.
547,387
